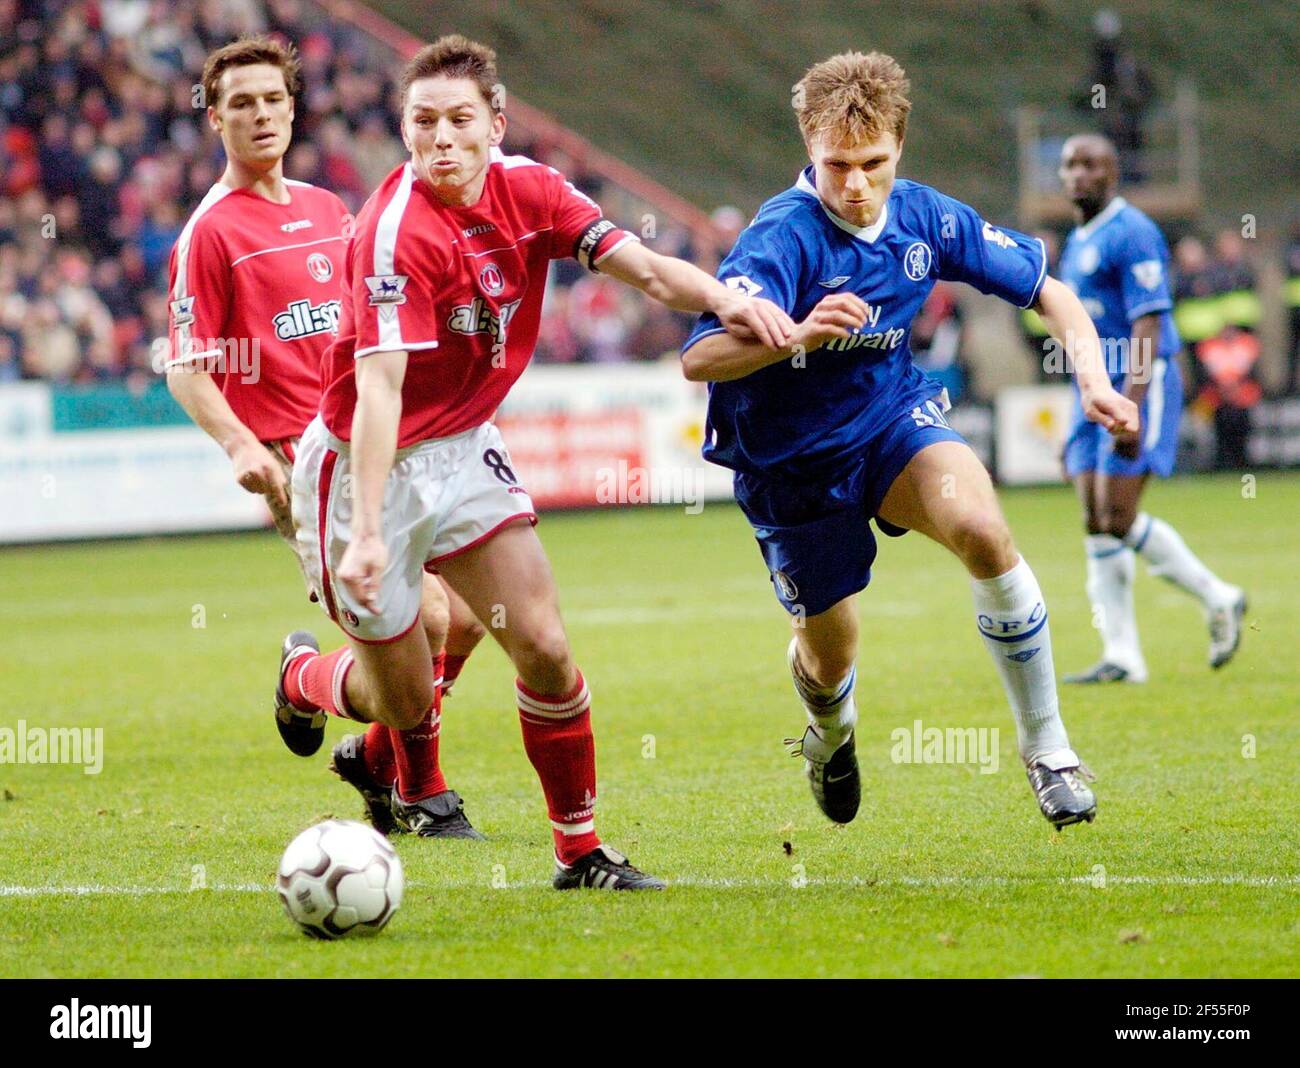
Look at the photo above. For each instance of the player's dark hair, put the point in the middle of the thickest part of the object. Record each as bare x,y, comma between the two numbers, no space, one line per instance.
244,53
853,96
454,56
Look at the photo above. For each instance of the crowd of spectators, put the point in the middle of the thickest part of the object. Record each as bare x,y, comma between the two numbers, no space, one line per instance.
105,152
1217,313
1213,287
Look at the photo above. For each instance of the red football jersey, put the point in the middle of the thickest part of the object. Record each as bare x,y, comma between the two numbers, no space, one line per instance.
255,296
458,288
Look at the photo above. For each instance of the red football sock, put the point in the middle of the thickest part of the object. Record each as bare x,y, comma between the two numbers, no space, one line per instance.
451,669
415,751
317,681
377,752
558,741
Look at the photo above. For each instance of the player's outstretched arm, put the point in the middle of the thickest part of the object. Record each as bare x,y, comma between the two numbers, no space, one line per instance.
374,444
256,470
684,287
1064,316
723,358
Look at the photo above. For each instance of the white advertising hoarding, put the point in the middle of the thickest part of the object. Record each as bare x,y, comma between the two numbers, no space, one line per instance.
105,483
1031,425
578,437
617,434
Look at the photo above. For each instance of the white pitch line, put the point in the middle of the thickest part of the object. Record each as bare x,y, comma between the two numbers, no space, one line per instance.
938,882
98,889
633,615
910,882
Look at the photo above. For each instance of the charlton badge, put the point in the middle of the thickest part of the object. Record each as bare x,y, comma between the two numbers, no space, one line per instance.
320,267
492,280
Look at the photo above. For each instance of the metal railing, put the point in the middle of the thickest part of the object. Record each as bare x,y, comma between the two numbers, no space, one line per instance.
1163,175
633,195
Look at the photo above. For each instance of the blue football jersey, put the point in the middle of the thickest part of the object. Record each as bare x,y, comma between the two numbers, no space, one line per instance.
818,419
1118,264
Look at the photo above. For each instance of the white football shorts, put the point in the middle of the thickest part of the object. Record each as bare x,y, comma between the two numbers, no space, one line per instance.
442,497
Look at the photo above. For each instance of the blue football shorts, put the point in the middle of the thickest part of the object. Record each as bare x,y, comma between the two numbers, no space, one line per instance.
1091,448
816,536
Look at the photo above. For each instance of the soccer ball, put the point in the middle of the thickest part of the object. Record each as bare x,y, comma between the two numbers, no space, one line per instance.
340,876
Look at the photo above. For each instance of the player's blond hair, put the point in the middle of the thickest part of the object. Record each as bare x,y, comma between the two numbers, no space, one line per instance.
455,56
245,52
854,97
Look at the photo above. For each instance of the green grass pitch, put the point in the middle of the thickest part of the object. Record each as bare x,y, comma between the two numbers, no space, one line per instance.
1192,868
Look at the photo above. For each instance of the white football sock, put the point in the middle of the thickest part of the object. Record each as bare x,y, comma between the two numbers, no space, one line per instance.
1012,619
1168,556
1111,567
830,709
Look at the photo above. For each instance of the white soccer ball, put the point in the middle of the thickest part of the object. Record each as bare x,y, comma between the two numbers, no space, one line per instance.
338,877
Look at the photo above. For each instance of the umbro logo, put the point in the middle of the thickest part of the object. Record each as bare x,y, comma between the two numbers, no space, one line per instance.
834,283
299,224
1024,656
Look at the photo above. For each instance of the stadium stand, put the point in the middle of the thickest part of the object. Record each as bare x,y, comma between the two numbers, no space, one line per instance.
105,154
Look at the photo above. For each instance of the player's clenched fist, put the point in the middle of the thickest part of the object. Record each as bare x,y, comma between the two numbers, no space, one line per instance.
1127,444
362,568
834,316
754,317
1110,409
257,471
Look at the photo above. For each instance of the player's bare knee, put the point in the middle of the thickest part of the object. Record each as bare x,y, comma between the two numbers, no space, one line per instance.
983,542
407,708
1092,519
465,634
1117,522
543,659
829,666
828,647
435,630
410,716
435,618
